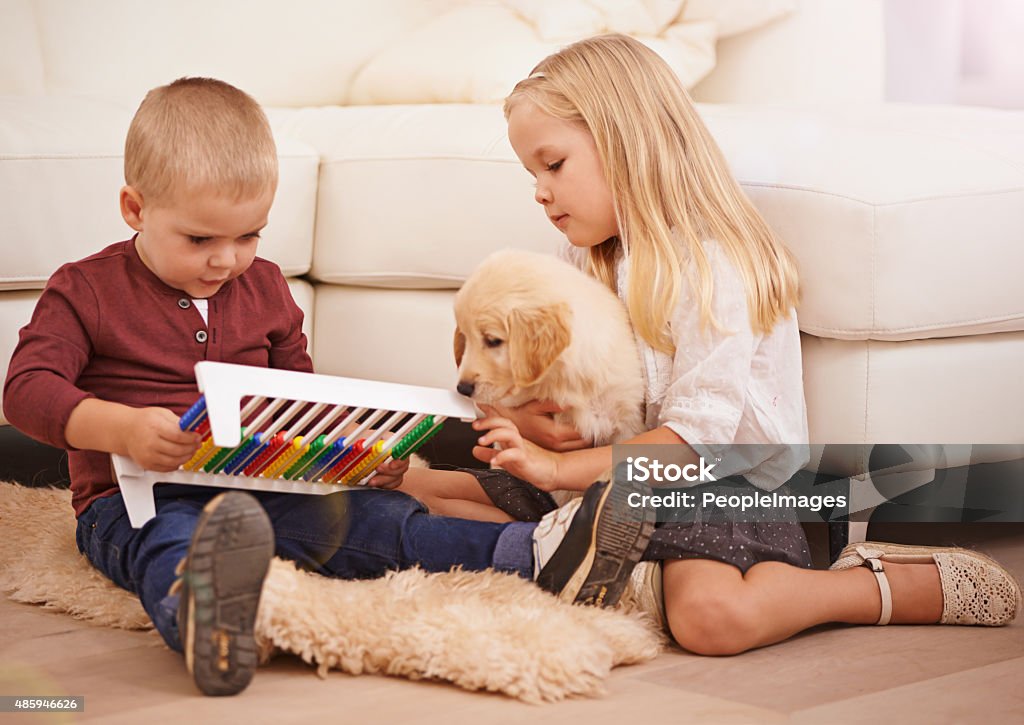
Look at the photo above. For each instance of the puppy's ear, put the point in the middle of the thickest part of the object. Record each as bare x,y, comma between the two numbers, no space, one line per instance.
536,337
459,345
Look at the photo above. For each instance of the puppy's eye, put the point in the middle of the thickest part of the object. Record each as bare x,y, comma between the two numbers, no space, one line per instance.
493,341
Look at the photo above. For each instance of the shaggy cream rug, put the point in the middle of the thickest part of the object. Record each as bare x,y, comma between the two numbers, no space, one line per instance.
480,631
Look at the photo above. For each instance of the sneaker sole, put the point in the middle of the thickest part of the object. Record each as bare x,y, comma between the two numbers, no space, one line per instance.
617,542
227,563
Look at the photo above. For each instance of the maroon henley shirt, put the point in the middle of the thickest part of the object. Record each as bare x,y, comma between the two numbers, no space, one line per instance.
107,327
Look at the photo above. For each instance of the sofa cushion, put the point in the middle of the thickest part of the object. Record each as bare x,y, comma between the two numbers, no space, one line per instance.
941,391
401,336
569,20
61,168
858,391
21,58
506,39
733,17
903,230
289,54
414,196
829,51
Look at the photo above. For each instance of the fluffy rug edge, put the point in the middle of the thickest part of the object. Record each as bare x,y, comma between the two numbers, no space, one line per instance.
479,630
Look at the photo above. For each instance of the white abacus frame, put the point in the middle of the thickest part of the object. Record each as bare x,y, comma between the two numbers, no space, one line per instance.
226,384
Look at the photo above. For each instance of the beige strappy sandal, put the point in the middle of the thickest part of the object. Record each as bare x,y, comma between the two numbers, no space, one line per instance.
975,588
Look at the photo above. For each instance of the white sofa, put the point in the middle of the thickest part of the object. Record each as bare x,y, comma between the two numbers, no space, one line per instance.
908,222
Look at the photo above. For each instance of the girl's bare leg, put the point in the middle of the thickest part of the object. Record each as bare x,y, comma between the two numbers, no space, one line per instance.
451,493
714,609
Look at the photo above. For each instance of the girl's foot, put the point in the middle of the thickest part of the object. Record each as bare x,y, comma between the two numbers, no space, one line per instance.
975,589
916,593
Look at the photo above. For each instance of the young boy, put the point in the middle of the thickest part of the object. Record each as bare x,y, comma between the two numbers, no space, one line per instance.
106,366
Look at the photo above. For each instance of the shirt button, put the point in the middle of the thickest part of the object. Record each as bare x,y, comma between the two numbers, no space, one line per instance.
183,303
200,335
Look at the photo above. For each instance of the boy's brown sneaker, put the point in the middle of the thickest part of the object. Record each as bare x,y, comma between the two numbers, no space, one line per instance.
220,584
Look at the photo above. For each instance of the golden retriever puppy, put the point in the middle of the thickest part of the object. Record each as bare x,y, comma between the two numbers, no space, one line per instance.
533,327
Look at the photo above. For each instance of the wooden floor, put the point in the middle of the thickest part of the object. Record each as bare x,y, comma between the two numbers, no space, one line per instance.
834,674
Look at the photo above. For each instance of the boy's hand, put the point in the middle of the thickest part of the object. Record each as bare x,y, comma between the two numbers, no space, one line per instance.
152,438
390,474
535,421
518,456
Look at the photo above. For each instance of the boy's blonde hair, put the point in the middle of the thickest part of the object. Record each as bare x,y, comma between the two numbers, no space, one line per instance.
670,183
199,134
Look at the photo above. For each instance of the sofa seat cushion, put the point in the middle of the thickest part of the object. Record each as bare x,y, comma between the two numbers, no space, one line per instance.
62,167
941,391
858,391
401,336
905,226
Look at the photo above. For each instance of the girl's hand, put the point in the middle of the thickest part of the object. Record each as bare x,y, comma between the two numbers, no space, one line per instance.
518,456
536,423
390,474
151,437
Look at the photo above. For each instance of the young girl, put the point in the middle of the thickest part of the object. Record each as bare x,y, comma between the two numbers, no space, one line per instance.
625,168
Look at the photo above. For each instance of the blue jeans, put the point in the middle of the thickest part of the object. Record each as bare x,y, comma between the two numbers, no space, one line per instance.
353,535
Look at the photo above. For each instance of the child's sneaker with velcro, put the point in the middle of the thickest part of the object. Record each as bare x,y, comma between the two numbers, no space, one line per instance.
585,551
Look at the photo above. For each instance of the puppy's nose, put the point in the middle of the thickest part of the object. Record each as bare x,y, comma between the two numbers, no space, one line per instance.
465,388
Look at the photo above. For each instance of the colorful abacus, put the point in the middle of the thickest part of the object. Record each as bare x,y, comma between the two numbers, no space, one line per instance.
277,430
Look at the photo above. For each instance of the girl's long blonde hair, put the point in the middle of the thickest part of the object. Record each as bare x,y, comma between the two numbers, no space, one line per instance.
670,183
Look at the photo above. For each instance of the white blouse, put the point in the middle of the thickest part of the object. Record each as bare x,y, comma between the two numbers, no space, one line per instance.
720,388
